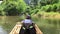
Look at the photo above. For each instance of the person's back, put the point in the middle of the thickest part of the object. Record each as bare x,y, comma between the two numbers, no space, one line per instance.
26,24
27,21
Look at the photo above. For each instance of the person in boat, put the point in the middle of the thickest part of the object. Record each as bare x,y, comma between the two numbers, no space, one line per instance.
27,22
27,26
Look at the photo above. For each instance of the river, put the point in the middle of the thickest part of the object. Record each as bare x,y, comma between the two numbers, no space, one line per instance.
47,26
2,31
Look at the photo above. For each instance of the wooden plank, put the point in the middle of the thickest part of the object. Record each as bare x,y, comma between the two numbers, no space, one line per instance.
16,29
38,31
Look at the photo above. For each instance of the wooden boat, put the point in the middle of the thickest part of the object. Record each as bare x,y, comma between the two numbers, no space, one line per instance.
17,28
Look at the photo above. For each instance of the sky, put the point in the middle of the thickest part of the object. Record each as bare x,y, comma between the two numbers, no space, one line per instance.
0,2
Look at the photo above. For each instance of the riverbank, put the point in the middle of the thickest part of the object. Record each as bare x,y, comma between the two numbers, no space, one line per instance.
47,15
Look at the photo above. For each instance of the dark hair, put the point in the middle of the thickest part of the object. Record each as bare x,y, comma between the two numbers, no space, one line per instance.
28,17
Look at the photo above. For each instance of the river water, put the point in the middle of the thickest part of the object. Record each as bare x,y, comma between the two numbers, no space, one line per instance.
2,31
47,26
7,23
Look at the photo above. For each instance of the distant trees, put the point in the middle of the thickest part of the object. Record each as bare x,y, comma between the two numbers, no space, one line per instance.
47,2
49,5
17,7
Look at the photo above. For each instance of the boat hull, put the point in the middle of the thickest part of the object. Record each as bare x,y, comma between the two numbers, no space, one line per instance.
17,29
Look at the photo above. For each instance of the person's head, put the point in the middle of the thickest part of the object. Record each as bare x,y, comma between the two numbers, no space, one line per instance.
28,17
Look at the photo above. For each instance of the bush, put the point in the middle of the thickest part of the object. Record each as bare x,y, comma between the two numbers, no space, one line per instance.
49,9
54,8
58,7
46,8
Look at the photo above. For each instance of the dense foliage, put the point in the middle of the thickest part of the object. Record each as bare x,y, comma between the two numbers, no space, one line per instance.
12,7
15,7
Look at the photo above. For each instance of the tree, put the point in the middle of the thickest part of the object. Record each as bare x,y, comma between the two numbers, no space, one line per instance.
54,8
13,7
34,3
47,2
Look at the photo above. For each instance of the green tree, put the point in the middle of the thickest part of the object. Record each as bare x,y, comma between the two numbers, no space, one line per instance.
13,7
54,8
34,3
47,2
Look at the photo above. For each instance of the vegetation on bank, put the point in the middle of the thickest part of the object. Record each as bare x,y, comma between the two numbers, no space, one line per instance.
16,8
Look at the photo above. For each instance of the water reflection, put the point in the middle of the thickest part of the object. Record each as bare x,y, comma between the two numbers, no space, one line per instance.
2,31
